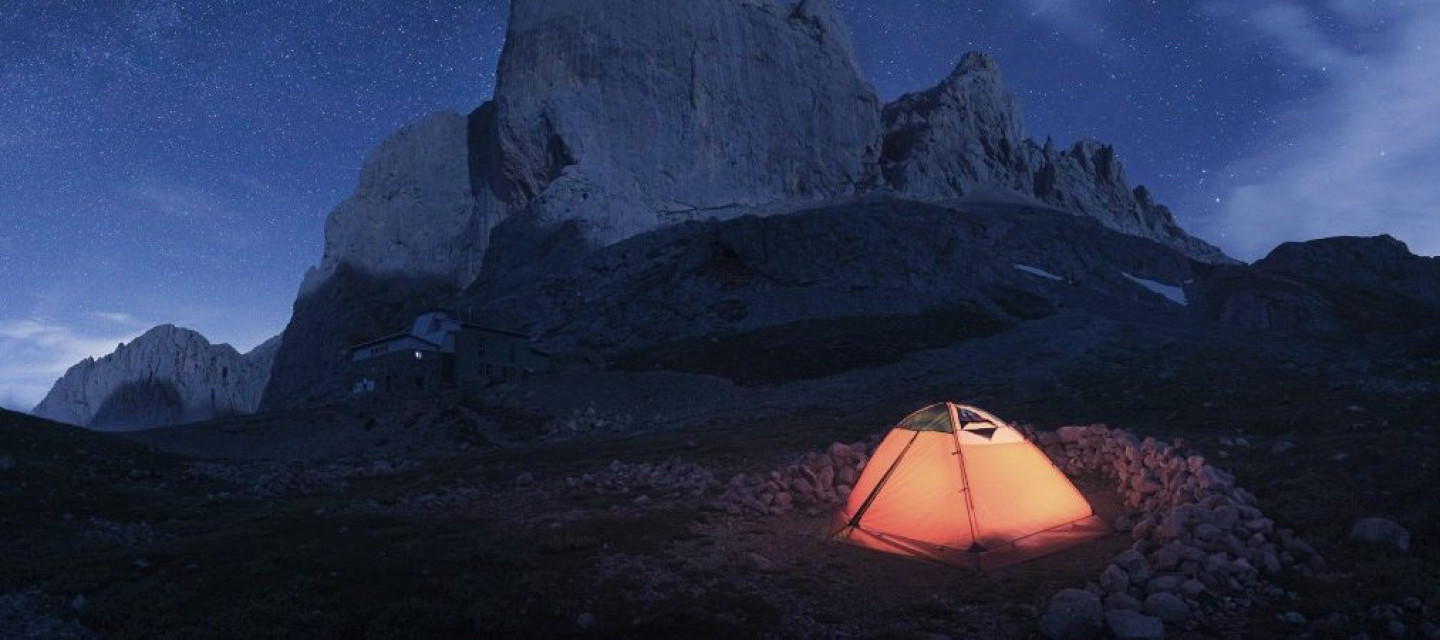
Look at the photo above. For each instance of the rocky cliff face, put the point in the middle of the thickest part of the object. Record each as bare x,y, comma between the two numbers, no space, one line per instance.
169,375
964,139
668,111
415,210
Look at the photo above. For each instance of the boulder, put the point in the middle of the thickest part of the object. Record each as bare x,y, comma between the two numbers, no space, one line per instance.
1166,606
1381,532
1130,625
1073,614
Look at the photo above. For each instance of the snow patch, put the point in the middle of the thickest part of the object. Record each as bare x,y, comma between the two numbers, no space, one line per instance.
1037,271
1173,294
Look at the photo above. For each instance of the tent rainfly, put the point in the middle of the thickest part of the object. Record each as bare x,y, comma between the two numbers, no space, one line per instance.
954,484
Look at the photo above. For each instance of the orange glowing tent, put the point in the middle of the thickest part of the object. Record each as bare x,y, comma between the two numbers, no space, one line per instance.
955,484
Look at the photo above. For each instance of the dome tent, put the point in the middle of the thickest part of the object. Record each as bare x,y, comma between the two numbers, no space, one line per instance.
955,484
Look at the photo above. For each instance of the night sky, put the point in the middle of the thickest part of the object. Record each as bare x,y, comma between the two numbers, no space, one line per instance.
174,162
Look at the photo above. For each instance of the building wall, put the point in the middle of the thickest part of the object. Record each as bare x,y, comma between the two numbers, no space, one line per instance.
401,371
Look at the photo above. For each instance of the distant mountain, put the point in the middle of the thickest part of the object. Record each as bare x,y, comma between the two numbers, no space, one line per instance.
607,124
168,375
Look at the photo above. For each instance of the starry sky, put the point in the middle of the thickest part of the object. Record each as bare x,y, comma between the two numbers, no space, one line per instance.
166,161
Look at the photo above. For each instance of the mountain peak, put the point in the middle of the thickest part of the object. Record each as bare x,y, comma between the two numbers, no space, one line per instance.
167,375
974,62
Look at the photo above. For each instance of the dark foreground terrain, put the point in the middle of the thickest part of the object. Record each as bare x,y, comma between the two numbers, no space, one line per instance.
581,504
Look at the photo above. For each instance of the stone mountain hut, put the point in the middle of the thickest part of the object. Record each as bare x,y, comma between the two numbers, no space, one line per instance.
443,352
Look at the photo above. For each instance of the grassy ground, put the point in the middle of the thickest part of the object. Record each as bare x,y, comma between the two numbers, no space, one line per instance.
494,556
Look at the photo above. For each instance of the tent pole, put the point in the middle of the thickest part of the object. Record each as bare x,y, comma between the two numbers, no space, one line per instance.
960,451
879,484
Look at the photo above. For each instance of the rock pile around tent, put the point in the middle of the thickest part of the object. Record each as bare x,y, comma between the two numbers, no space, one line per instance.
1200,542
817,479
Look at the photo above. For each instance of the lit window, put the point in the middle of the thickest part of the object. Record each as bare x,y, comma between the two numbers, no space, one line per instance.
419,356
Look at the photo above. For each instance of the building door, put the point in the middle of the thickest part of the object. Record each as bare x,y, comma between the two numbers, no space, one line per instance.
447,371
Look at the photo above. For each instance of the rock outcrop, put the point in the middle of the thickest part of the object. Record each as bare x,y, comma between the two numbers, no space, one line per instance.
1332,286
415,211
965,139
1381,263
671,111
169,375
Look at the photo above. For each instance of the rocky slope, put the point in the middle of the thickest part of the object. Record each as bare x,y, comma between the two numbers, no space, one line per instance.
965,139
168,375
881,258
1344,286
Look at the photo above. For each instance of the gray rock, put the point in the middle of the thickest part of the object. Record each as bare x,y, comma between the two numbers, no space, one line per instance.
759,562
592,101
964,139
585,620
1381,532
1167,607
168,375
1123,601
1396,629
1429,631
1073,614
1292,617
1281,447
414,212
1114,579
6,463
1130,625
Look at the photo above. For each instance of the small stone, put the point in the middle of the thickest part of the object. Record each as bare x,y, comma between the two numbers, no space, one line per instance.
1381,532
1073,614
525,478
1114,579
759,562
1396,629
585,620
1167,606
1429,631
78,602
1281,447
6,463
1292,617
1412,603
1131,625
142,563
642,499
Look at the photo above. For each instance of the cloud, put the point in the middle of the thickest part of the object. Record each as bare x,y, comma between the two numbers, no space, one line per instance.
116,317
1293,28
1366,160
34,353
1083,22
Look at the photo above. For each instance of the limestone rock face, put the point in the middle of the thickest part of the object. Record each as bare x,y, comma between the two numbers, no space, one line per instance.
673,111
169,375
414,210
965,139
